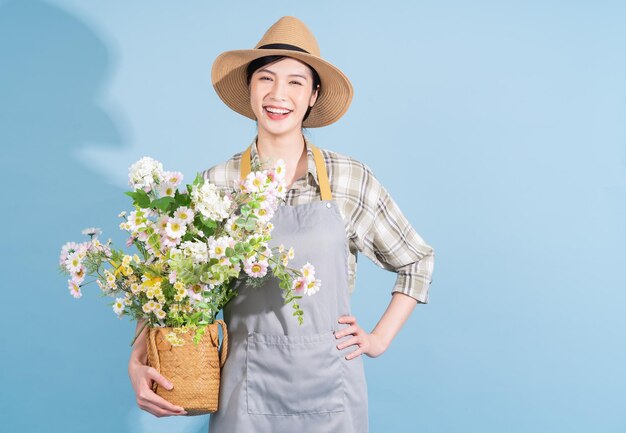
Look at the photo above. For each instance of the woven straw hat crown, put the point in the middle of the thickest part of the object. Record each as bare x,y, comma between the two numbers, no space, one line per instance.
287,37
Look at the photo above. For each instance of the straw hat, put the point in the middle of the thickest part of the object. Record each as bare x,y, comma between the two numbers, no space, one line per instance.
287,37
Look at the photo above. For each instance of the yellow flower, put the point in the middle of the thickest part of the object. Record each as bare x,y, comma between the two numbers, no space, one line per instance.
174,339
110,278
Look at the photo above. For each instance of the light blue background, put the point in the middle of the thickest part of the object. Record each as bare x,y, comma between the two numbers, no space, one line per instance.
498,127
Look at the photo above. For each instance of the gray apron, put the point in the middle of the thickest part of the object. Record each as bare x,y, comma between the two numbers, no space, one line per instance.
281,376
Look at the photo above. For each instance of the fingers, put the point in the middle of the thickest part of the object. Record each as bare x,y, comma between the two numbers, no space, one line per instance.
159,378
355,353
359,337
149,401
159,411
349,342
352,329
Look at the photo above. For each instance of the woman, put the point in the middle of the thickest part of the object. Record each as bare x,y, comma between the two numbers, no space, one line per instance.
280,376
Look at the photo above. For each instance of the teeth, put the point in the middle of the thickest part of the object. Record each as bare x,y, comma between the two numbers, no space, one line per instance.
277,110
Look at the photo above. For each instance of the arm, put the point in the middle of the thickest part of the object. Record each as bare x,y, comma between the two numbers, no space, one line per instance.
376,343
391,242
141,377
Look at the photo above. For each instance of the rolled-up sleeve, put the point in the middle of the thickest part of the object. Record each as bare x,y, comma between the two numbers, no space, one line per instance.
393,244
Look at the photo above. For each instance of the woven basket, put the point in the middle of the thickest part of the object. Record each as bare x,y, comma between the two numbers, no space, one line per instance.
194,369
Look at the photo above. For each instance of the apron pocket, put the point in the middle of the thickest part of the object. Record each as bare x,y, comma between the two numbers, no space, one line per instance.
289,375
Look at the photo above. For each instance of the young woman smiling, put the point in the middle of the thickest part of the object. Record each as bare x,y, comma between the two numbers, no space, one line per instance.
280,376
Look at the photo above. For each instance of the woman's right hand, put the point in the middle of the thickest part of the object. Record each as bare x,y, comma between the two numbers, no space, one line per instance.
141,377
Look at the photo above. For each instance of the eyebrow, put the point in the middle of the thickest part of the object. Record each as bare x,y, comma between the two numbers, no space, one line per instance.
291,75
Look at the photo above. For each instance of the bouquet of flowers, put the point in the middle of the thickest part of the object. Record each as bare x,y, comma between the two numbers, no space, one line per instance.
191,246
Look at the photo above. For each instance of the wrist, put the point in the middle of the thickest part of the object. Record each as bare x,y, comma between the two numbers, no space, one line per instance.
384,342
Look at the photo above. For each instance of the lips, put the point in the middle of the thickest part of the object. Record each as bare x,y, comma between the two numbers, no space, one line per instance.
276,113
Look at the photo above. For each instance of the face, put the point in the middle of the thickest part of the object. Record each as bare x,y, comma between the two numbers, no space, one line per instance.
280,94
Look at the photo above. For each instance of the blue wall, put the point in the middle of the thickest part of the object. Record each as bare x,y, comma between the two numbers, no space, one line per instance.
499,128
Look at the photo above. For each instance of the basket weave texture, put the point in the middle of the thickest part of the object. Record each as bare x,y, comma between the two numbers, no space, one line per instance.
193,369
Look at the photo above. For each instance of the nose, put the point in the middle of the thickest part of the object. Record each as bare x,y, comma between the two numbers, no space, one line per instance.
278,91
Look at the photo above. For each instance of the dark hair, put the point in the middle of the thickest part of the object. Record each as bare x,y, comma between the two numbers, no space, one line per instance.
264,61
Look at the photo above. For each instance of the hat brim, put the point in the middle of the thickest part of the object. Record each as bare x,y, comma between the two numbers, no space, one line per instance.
228,75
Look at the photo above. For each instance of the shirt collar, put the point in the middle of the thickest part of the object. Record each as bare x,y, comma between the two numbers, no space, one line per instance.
311,177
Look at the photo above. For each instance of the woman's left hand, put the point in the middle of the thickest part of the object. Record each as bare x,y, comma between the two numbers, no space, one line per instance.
369,344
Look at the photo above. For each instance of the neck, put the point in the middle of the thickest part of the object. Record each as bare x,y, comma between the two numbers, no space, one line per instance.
287,147
290,148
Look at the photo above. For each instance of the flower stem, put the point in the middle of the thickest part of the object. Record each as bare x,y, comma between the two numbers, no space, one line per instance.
139,333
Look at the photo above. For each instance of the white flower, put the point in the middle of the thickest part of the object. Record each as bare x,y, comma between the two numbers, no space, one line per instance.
256,269
312,287
74,289
198,251
217,247
231,226
92,231
167,189
169,242
308,272
118,306
74,262
110,279
279,169
173,177
144,173
207,201
255,181
136,220
175,228
264,214
184,214
195,292
66,250
78,276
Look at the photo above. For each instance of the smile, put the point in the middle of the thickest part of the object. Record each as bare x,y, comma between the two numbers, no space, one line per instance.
276,113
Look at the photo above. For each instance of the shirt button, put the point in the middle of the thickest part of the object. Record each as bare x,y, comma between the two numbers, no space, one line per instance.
328,205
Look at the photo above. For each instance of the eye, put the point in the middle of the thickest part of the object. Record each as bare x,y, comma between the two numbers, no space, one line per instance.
265,78
296,82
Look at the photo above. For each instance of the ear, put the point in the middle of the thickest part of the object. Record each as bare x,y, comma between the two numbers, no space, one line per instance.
314,96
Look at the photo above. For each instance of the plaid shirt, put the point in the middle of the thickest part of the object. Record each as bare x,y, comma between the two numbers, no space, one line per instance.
374,223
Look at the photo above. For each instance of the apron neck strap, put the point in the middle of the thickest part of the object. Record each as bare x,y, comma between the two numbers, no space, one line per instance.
322,175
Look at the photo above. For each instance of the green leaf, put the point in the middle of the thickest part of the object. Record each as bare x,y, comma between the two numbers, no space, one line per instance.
162,203
206,222
182,199
140,198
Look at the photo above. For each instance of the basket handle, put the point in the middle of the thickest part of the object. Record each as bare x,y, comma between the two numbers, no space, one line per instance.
153,354
224,348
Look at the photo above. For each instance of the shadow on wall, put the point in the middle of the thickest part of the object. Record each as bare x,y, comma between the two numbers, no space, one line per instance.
63,359
64,372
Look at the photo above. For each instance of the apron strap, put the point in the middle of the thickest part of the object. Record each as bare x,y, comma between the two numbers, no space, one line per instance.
322,174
